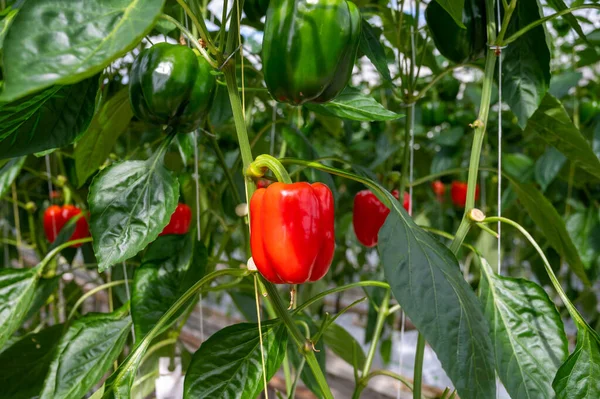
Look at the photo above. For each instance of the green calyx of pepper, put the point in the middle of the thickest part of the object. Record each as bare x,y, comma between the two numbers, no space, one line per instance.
309,49
171,85
458,44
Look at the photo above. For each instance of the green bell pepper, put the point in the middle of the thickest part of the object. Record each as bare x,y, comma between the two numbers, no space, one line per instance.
309,48
455,43
171,85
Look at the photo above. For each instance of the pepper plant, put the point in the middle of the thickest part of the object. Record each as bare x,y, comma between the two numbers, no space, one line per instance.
157,154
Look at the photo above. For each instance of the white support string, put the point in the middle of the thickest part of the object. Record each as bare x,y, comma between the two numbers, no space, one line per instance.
499,174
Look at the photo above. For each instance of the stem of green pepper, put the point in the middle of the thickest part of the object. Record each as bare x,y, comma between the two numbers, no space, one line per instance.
301,342
200,25
406,155
419,356
192,39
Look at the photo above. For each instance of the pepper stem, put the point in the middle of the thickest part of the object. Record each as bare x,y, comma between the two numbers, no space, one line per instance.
262,163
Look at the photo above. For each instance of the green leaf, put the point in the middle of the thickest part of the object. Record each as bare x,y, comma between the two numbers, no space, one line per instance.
344,345
45,287
371,46
559,5
170,266
584,229
551,122
551,225
561,84
63,42
17,290
9,172
519,166
228,364
352,104
5,24
130,203
426,280
526,63
455,9
578,376
527,332
106,127
85,353
50,119
548,166
24,364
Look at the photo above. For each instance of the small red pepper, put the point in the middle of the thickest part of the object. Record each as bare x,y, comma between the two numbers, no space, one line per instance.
369,214
292,232
459,193
55,218
180,221
262,183
439,189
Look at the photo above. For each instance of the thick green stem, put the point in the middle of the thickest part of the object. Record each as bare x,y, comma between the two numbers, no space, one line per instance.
200,25
92,292
264,162
406,158
419,355
480,126
300,340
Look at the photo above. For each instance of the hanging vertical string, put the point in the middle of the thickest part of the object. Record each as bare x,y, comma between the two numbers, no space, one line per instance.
50,189
498,22
128,293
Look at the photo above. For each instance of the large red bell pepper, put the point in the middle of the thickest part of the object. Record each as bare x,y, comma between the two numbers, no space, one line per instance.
292,231
369,214
458,193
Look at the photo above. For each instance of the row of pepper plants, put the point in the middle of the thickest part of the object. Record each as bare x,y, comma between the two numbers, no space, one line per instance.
151,147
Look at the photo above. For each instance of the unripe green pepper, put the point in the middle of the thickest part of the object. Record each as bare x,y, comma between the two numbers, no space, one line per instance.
456,43
170,85
309,48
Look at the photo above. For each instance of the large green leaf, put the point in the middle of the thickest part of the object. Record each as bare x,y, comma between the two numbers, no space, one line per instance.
455,9
559,5
548,166
526,63
171,265
5,24
106,127
578,376
85,353
44,288
25,363
9,172
373,49
527,332
344,345
551,225
352,104
228,364
552,123
17,290
426,280
583,227
50,119
62,42
130,203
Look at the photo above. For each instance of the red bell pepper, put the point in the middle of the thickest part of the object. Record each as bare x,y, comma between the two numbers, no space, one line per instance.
292,231
459,193
439,189
369,214
55,218
180,221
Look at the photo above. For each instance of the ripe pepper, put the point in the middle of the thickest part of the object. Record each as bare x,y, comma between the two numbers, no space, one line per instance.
309,48
170,85
180,221
292,231
55,218
369,214
456,43
439,189
458,193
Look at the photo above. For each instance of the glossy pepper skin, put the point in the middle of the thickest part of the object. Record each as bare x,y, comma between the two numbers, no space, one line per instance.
458,192
170,85
309,48
456,43
55,218
180,221
369,214
292,232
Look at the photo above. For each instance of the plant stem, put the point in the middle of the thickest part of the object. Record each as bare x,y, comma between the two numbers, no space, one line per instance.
419,355
200,25
92,292
191,38
405,162
265,161
301,342
480,126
